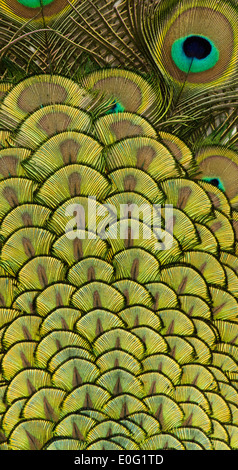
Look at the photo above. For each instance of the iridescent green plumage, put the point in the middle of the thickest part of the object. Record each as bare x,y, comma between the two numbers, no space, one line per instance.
115,342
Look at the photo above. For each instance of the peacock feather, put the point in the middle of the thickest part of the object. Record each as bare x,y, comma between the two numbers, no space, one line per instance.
118,225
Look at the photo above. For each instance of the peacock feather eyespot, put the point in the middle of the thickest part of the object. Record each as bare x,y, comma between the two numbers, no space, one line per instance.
34,3
194,53
194,42
218,166
217,182
117,107
22,10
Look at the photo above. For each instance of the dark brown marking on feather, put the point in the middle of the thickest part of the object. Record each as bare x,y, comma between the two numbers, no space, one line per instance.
78,249
28,247
58,300
79,216
215,199
189,420
54,123
49,412
116,363
11,197
58,345
173,351
152,390
96,300
69,149
190,312
31,307
41,94
64,324
156,301
170,329
174,149
76,433
34,443
125,128
2,437
41,272
130,183
216,226
25,362
182,285
170,223
194,382
127,209
124,411
117,388
26,219
2,301
74,184
8,166
145,156
159,415
99,328
30,387
217,309
91,275
136,321
203,267
26,333
77,379
127,296
118,343
183,197
88,402
109,433
160,367
4,400
129,241
135,269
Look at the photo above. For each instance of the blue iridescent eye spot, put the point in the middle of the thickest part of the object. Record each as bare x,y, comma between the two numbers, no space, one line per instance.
215,182
116,108
194,53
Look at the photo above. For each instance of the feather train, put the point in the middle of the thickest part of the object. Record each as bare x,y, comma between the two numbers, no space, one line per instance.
111,339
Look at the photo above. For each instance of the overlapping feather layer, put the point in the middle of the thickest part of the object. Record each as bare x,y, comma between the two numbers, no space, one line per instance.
111,343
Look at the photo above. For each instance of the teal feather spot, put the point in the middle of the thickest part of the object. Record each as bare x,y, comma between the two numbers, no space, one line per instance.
117,107
34,3
194,53
215,182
